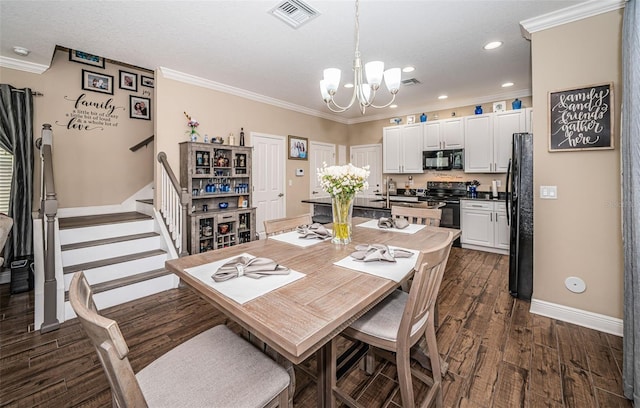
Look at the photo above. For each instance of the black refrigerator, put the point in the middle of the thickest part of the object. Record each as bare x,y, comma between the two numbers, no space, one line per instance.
519,199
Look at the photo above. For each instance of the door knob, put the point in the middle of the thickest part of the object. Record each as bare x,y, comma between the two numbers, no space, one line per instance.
280,195
314,192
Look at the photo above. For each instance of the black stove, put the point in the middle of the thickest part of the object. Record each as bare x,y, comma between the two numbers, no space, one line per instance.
446,191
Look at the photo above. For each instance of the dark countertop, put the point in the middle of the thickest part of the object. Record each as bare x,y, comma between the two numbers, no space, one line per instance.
484,196
359,202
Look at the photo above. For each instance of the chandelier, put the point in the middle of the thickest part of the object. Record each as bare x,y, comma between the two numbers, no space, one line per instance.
364,93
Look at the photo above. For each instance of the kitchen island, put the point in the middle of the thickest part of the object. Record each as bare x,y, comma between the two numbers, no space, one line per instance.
364,207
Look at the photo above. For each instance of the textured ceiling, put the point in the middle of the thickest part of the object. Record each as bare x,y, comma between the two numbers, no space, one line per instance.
238,43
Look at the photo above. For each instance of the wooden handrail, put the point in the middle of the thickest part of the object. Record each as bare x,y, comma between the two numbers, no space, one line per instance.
48,208
162,158
142,144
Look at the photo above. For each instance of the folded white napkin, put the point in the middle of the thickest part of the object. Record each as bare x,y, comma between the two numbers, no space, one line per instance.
399,223
313,231
378,252
251,267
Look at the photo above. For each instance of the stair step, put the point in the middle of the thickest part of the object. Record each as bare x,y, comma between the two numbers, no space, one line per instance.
101,219
111,261
129,280
106,241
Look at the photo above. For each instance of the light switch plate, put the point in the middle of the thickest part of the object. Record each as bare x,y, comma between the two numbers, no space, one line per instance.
549,192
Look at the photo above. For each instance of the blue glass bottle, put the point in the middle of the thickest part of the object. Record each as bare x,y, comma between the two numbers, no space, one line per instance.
478,110
423,118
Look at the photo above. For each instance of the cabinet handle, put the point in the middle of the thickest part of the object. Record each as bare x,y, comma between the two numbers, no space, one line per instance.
491,217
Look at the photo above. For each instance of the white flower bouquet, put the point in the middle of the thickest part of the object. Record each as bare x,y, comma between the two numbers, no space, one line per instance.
342,183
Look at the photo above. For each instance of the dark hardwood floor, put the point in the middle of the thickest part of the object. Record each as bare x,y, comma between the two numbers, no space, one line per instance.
499,354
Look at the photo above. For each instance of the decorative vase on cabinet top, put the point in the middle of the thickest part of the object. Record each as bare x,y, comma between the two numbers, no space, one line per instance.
478,110
423,118
516,104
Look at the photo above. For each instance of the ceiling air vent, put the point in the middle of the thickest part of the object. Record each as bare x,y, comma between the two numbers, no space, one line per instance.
410,81
294,12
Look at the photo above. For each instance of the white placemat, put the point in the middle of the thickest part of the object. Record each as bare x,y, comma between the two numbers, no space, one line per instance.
242,289
391,270
293,238
411,229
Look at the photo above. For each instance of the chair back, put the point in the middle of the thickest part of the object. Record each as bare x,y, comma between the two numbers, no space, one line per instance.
415,215
280,225
109,343
423,293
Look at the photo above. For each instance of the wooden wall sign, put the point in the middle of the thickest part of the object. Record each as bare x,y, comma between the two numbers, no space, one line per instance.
581,119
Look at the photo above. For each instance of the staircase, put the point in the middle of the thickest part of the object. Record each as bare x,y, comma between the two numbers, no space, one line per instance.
122,256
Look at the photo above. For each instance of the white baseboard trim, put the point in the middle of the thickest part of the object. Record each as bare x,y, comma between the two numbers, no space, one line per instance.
596,321
5,276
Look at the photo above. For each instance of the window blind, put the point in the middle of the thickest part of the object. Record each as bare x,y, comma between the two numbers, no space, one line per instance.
6,174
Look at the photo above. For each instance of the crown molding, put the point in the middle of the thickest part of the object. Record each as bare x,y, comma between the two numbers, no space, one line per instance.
21,65
567,15
243,93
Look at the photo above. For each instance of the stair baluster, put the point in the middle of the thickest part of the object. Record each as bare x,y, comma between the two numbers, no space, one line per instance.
173,205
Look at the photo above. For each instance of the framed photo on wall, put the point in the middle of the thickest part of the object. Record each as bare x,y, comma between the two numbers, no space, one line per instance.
128,81
86,58
146,81
139,107
96,82
298,148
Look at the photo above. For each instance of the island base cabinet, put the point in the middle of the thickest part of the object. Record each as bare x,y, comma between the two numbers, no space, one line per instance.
484,226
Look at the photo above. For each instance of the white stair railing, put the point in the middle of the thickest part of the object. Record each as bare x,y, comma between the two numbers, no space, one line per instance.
173,205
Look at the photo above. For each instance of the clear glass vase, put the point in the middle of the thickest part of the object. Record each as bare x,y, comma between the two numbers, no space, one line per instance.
342,208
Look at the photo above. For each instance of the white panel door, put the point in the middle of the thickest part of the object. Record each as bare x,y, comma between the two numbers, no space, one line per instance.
369,155
319,153
269,163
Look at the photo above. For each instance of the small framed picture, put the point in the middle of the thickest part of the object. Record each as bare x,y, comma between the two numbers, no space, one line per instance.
500,106
86,58
96,82
128,81
146,81
298,147
411,119
139,108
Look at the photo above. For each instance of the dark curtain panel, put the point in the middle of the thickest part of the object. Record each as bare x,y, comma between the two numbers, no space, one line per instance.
16,136
630,150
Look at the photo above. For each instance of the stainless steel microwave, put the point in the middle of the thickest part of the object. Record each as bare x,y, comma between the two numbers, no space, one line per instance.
443,160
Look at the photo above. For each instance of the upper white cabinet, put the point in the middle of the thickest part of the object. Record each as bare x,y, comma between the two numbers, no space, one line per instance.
402,149
444,134
488,140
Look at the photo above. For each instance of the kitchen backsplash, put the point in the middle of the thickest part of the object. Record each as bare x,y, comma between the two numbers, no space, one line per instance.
420,180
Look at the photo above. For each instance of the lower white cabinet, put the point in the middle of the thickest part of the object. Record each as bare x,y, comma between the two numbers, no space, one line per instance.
484,226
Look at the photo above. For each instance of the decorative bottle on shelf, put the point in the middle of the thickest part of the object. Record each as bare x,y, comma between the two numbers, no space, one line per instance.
232,139
478,110
241,136
423,118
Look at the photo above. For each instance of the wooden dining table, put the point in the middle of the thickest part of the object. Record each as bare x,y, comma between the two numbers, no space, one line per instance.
303,317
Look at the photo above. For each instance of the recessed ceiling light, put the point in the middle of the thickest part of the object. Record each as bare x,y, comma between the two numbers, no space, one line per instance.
492,45
507,84
442,97
408,69
393,106
23,52
348,85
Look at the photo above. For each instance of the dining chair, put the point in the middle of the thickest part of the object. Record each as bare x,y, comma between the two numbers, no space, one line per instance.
400,321
6,223
215,368
415,215
280,225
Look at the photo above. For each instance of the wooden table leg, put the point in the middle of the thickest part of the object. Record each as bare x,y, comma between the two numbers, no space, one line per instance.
326,357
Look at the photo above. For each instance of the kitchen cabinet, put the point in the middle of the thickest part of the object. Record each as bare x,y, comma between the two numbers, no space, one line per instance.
488,140
484,226
218,180
443,134
402,149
